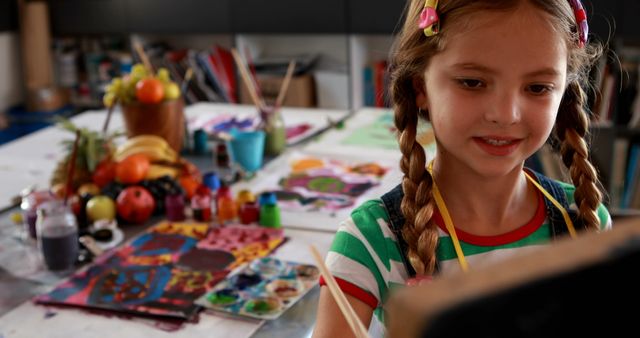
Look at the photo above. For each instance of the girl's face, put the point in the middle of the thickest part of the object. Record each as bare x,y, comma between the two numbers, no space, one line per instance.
493,93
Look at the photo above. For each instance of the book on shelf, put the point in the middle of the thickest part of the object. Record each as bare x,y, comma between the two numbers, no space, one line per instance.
632,178
376,84
619,166
211,75
224,66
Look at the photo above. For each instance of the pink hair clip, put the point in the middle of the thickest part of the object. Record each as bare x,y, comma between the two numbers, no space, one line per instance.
429,18
581,21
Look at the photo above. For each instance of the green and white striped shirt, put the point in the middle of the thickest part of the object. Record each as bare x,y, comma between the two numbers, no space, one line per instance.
367,262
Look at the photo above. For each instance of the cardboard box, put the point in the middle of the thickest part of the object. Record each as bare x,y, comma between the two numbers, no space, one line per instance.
37,61
301,93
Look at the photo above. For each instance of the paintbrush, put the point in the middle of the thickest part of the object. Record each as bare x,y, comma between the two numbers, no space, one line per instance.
285,84
347,311
246,78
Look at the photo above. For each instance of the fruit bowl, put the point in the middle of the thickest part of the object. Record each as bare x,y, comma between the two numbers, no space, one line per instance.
164,119
152,103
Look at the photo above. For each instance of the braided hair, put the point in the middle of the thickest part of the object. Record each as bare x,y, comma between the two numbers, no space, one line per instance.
410,57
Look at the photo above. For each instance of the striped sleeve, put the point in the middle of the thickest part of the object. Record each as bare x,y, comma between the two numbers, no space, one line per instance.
364,257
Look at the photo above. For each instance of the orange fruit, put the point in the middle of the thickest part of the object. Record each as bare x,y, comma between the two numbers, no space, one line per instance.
132,169
189,184
150,90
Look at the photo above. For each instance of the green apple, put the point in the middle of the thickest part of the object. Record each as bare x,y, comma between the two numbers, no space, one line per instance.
101,207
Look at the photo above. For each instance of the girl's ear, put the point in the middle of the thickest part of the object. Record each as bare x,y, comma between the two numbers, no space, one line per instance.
421,93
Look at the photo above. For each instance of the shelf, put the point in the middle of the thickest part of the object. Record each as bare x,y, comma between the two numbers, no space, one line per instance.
620,213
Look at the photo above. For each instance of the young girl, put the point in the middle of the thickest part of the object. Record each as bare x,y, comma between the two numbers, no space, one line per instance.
495,78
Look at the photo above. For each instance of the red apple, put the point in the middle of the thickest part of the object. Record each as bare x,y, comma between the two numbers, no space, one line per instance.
135,204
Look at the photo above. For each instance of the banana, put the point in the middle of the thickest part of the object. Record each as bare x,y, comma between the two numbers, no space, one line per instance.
147,140
155,154
154,146
158,170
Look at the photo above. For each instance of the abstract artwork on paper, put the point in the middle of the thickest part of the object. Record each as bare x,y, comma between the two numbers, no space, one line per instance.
165,269
381,133
224,123
326,185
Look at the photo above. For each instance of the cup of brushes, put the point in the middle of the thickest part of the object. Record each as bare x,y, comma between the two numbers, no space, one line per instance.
272,122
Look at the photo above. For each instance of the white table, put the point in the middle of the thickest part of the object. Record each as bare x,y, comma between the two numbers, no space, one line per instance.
31,160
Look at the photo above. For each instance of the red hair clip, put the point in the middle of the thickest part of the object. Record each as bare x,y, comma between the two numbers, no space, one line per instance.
581,21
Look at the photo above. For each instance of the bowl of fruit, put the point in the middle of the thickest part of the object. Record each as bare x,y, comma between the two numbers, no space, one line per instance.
151,104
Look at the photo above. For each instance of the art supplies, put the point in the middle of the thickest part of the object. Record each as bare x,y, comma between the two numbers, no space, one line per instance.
300,123
263,289
165,269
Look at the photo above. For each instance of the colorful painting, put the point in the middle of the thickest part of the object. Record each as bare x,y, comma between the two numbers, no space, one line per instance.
381,133
325,185
165,269
263,289
224,123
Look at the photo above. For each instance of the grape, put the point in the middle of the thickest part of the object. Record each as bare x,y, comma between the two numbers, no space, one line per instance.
108,99
138,71
116,85
163,75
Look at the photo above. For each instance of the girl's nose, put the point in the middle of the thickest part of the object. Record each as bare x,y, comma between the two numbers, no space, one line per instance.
506,109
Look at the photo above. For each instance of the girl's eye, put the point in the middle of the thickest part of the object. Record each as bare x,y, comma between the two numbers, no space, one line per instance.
471,83
539,89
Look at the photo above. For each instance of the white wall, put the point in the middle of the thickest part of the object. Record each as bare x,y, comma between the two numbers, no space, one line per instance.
11,88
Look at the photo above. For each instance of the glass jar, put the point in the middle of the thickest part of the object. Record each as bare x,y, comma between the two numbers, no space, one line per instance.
276,133
29,207
57,232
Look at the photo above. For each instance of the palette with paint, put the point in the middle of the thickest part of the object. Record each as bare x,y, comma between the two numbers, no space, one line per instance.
263,289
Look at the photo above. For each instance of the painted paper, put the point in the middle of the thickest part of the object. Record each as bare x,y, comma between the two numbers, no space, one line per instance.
325,185
165,269
381,133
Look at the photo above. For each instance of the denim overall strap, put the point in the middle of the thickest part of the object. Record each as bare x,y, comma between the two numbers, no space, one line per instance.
558,225
392,201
